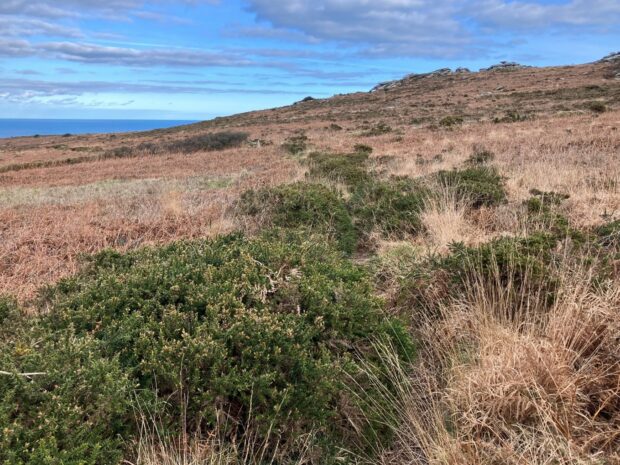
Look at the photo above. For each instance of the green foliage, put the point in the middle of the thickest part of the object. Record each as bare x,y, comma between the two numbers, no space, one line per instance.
481,185
346,168
390,206
597,107
542,200
61,403
296,144
520,267
265,330
8,307
207,142
312,206
450,122
544,214
609,234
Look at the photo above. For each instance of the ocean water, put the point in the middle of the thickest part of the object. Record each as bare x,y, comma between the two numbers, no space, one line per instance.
44,127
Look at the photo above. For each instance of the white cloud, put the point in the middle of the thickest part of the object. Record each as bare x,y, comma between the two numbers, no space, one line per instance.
436,28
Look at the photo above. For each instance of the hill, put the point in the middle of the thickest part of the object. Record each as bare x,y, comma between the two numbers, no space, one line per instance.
427,273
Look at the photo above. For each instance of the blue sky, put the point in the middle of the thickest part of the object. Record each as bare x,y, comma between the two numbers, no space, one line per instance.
196,59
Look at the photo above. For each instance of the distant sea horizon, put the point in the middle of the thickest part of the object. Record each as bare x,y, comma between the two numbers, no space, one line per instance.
51,127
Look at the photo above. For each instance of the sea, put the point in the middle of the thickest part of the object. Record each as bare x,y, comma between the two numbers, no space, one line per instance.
49,127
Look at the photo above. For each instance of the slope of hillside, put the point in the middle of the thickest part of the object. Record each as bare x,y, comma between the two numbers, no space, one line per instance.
65,195
427,273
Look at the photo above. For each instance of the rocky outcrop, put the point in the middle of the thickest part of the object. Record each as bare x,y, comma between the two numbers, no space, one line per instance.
611,58
389,85
506,66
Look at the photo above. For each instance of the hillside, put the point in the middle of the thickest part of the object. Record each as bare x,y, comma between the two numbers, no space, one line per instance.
425,273
61,198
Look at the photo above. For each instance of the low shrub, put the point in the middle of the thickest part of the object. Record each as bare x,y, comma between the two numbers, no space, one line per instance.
312,206
295,145
362,148
511,116
609,234
378,130
451,121
481,185
597,107
267,329
391,207
346,168
517,268
480,157
207,142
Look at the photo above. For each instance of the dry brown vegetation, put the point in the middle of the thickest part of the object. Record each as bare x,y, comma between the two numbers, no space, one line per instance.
496,382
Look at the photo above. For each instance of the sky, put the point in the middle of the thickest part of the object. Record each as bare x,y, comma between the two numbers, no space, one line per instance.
197,59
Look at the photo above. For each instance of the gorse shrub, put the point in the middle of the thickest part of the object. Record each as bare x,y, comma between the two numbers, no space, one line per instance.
480,157
349,169
597,107
268,328
198,143
520,267
391,206
378,130
61,402
207,142
511,116
608,234
362,148
449,122
312,206
481,185
296,144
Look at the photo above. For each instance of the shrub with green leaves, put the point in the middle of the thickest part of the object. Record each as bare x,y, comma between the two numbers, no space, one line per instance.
267,329
303,205
378,130
208,142
597,107
480,185
61,402
296,144
480,157
519,268
609,234
450,122
349,169
390,206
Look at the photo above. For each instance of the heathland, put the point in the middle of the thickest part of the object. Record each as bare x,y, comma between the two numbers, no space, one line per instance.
428,273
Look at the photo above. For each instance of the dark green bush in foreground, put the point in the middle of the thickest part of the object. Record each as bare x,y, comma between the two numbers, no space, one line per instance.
481,185
312,206
262,329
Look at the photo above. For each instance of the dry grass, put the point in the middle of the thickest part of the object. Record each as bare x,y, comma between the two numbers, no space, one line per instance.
445,219
536,388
